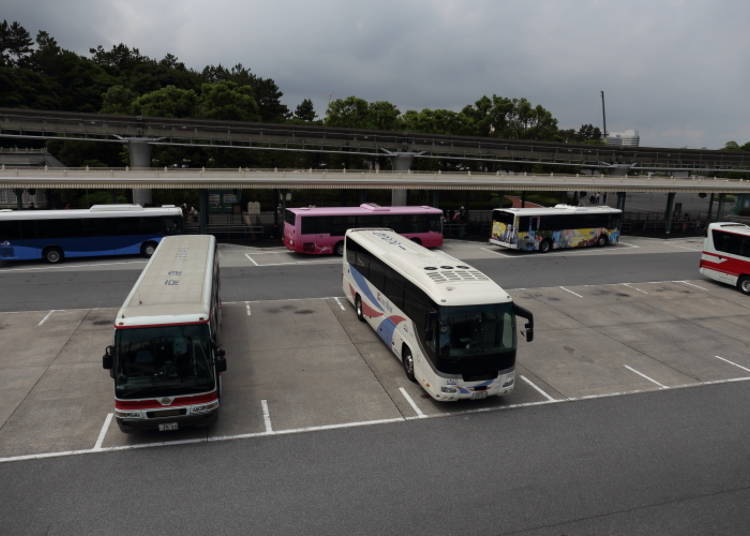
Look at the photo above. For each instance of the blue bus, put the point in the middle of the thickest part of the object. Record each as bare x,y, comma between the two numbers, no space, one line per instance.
54,235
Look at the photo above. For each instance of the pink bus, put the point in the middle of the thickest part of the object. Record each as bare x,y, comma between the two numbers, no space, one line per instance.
321,230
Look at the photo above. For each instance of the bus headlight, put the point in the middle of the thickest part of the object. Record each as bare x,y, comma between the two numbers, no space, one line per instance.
204,408
448,389
508,381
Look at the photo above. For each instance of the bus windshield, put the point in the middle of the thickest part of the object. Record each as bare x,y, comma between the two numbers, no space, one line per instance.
476,330
163,361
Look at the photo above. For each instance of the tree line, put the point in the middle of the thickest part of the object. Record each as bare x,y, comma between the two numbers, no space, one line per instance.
38,73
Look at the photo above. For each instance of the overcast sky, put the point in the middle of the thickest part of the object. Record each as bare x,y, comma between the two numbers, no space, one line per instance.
677,71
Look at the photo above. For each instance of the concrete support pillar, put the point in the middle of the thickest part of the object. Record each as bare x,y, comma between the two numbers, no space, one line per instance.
400,162
202,211
523,199
669,213
621,196
140,157
436,198
19,198
710,208
719,210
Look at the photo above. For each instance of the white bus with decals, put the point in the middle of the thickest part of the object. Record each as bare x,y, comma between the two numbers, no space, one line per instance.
452,327
726,254
166,360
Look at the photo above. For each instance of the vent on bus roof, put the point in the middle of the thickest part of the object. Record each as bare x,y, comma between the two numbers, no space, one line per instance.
453,276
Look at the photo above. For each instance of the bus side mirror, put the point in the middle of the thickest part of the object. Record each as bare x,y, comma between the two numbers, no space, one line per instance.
221,361
107,358
525,313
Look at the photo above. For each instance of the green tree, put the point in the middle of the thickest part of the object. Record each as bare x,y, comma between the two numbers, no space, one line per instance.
166,102
266,92
305,111
117,100
382,115
350,112
226,100
15,44
732,146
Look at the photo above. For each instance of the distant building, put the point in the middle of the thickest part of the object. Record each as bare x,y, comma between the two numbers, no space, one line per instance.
628,138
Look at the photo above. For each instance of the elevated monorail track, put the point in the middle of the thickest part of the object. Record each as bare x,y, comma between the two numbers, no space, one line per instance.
44,124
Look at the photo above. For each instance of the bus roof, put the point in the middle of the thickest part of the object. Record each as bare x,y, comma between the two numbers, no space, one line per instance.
560,209
364,208
175,285
445,279
732,227
96,211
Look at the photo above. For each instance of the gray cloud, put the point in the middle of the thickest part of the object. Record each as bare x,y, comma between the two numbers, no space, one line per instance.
676,70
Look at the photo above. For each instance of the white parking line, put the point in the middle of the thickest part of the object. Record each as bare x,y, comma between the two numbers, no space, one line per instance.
537,388
486,409
627,244
43,320
488,250
630,285
247,309
337,301
266,416
691,284
642,375
103,432
412,403
573,293
732,363
247,255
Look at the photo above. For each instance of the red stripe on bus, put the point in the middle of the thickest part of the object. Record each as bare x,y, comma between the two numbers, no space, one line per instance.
153,403
730,265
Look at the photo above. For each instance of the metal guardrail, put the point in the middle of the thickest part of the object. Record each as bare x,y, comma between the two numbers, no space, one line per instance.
242,178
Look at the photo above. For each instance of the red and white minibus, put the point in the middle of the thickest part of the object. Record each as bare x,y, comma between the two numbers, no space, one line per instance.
726,254
166,360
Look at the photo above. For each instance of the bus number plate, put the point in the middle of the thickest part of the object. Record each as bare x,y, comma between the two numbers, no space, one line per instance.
169,426
478,395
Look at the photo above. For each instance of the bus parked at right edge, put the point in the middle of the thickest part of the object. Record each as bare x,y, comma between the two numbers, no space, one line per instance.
451,326
562,226
726,255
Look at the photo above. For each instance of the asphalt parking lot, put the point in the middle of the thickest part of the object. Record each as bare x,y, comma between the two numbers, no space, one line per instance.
302,365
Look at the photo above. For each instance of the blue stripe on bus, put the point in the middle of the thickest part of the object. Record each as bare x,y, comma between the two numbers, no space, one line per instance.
362,285
76,247
387,327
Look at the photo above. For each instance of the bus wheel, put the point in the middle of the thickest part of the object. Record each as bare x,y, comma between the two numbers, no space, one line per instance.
743,284
358,307
416,240
339,249
53,255
602,241
408,361
545,246
148,248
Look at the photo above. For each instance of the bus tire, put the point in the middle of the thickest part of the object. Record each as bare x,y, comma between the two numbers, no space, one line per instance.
52,255
338,249
358,308
602,240
407,360
743,284
545,246
416,240
148,248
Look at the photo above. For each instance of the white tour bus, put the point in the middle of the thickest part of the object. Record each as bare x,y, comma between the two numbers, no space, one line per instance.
726,254
452,327
166,360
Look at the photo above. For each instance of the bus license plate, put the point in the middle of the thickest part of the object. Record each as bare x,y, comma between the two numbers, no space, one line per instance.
169,426
478,395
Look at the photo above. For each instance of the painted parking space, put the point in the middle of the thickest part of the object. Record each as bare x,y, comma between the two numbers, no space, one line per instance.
309,364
